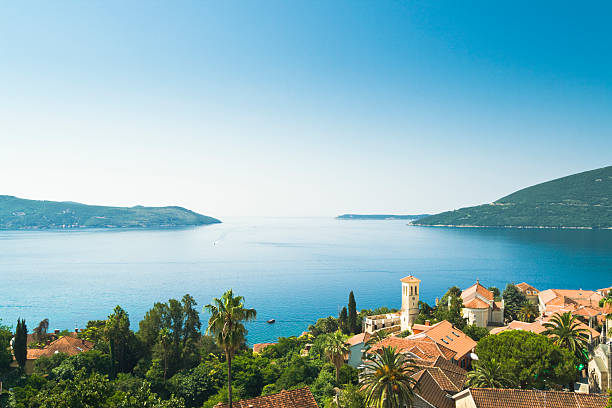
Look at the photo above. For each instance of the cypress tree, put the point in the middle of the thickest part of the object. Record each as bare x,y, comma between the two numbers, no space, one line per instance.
20,347
352,314
343,321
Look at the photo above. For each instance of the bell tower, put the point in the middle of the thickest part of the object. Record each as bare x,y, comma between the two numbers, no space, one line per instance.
410,301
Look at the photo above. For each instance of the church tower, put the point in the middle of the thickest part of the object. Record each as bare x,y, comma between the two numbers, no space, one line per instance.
410,301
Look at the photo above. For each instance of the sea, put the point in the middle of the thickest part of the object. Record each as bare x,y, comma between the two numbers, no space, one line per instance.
293,270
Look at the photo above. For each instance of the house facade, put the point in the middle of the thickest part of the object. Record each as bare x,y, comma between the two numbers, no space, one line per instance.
480,307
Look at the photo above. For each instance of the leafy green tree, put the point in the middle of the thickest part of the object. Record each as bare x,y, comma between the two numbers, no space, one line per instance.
183,323
227,315
352,314
82,391
404,333
388,380
514,299
144,398
343,321
336,348
117,332
323,387
535,361
197,385
323,326
490,374
20,348
565,331
496,292
528,312
609,405
40,331
475,333
88,362
449,308
6,357
44,365
165,343
351,397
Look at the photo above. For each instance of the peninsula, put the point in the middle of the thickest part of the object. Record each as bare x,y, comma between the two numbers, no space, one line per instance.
19,214
380,217
582,200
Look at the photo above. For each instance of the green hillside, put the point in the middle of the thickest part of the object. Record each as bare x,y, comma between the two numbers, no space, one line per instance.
18,213
580,200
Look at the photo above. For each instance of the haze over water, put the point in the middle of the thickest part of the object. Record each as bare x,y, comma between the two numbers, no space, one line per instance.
292,269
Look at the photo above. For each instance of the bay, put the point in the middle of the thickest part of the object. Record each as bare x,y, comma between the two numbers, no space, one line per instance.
294,270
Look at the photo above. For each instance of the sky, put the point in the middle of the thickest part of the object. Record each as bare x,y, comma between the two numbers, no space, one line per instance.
300,108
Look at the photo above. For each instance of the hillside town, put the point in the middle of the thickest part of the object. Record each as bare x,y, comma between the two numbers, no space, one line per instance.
476,348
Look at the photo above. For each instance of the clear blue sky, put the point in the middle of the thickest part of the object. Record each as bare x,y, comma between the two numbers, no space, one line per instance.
300,108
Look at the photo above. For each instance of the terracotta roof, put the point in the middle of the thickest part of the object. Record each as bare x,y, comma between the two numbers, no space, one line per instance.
513,398
476,288
66,344
423,348
430,390
300,398
582,297
446,335
537,327
258,347
410,279
524,286
359,338
476,303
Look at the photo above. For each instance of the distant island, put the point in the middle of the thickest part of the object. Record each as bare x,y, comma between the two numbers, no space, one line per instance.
380,217
19,214
582,200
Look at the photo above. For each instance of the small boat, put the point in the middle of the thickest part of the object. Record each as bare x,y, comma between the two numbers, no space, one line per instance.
271,321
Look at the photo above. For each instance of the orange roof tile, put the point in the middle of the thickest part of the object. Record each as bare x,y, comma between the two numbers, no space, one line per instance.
514,398
429,389
410,279
423,348
66,344
476,303
300,398
259,347
446,335
476,288
524,286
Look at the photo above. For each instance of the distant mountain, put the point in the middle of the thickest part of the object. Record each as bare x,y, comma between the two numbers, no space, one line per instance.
582,200
379,217
18,213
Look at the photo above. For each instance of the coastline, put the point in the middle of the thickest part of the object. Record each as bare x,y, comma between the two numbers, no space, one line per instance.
507,226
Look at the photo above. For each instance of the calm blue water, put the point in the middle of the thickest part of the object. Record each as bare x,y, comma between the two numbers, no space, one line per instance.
291,269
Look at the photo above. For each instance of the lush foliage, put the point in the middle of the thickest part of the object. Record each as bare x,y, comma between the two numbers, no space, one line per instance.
475,333
20,348
514,300
388,380
579,200
449,308
354,326
17,213
565,331
490,374
534,359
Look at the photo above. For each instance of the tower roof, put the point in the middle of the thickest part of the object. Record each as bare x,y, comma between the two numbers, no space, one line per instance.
410,279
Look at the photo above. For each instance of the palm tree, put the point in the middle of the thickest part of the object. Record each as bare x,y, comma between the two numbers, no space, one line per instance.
377,337
225,324
336,349
565,332
490,374
388,380
528,312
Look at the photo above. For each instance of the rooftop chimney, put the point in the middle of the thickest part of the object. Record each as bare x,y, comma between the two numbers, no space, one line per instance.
427,323
57,331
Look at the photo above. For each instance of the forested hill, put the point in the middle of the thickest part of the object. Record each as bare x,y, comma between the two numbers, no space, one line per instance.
580,200
18,213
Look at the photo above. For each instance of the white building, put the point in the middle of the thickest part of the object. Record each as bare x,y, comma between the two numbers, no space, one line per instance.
405,318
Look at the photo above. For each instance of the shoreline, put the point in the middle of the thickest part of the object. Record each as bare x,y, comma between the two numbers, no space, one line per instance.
507,226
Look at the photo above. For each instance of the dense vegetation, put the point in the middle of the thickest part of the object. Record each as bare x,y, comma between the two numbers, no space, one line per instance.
579,200
18,213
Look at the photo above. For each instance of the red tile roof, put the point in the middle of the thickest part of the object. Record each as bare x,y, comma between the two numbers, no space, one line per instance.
446,335
66,344
259,347
513,398
410,279
476,288
476,303
423,348
524,286
300,398
537,327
